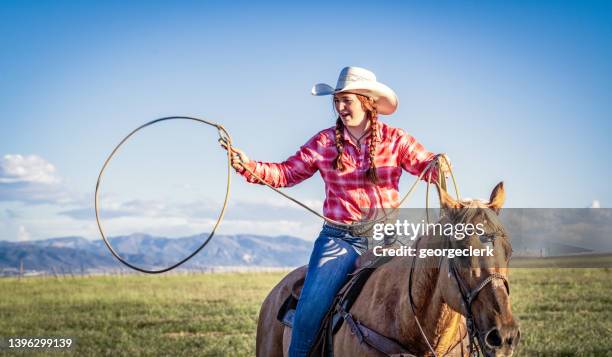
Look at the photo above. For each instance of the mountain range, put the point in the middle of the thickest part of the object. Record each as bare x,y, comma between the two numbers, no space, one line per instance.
77,255
80,255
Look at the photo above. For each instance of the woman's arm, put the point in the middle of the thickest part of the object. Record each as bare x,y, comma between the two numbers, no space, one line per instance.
292,171
414,158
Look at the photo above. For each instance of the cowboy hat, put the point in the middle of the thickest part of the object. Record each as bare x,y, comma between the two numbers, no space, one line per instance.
361,81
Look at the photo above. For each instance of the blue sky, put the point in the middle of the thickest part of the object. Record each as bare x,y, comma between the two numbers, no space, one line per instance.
517,92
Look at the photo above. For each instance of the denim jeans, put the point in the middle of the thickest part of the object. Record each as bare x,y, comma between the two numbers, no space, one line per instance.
333,258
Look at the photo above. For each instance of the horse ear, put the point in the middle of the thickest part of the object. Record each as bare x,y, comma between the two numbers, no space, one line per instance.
446,201
498,197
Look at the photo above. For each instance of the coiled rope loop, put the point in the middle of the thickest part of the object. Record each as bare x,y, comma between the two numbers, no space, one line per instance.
224,135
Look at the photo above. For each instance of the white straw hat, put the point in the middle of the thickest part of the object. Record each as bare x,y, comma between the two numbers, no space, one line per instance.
361,81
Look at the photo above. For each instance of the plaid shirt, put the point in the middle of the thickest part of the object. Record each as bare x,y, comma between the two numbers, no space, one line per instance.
349,192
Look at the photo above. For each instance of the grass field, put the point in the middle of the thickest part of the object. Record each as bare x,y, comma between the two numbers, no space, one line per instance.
563,312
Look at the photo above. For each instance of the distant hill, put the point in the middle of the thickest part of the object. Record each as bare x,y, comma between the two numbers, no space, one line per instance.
80,255
545,249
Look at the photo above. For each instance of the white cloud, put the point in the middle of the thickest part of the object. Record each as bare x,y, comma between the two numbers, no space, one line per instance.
177,219
174,227
23,234
308,230
239,209
31,179
29,168
595,204
281,202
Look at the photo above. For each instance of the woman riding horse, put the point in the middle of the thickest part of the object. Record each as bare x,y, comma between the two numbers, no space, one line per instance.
360,160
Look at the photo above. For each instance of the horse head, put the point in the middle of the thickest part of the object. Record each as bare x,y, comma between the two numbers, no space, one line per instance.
477,286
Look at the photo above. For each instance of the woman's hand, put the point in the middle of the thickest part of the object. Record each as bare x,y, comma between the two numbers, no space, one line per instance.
238,156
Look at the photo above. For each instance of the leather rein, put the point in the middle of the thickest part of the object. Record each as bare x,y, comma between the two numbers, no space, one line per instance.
468,296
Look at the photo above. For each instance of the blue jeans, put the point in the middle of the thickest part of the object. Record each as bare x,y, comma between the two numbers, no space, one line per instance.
333,258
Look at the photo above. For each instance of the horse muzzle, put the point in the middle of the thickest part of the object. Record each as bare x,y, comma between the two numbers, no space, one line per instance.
501,341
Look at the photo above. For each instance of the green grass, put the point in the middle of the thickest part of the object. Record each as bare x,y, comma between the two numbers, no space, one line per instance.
563,312
603,260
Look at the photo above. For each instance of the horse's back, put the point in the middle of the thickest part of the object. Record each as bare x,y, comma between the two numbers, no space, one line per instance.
269,342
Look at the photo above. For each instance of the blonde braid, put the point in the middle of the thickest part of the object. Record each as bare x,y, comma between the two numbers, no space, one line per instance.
338,164
369,105
371,173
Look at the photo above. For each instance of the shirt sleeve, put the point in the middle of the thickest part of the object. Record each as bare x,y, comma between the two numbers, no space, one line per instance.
414,158
292,171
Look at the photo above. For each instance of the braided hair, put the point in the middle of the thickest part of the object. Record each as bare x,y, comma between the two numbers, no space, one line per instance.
369,106
338,164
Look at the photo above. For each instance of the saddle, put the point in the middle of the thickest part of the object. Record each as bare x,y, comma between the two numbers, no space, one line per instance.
287,310
339,312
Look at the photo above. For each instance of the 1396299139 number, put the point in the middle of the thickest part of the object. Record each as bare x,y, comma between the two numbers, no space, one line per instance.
15,342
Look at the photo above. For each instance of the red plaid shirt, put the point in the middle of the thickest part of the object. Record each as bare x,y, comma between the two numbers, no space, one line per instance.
349,192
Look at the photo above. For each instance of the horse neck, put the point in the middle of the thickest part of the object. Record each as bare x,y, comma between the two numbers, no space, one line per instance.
427,299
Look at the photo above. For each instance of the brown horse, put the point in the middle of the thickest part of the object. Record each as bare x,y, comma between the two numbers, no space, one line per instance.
443,293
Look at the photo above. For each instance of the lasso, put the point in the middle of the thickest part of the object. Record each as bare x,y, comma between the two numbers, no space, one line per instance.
225,136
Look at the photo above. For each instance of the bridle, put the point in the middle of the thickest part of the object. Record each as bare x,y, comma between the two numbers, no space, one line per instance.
468,296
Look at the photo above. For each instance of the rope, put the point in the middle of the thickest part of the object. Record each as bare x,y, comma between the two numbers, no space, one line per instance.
225,136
